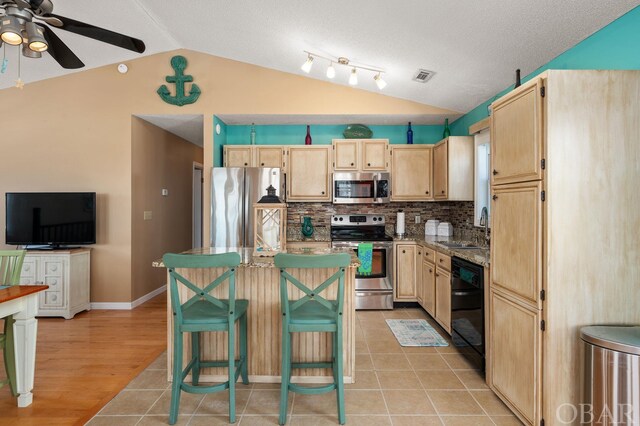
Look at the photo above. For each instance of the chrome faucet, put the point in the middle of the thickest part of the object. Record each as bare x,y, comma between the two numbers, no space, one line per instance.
484,221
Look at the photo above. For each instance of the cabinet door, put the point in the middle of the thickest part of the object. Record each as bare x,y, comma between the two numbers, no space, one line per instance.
374,154
516,135
237,156
443,299
269,156
429,288
410,173
418,279
516,240
308,178
345,154
53,272
29,274
515,338
440,170
406,272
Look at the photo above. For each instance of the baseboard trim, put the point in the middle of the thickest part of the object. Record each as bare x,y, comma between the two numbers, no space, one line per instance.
127,306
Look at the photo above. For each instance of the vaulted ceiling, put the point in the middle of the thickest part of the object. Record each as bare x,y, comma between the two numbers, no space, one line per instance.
472,46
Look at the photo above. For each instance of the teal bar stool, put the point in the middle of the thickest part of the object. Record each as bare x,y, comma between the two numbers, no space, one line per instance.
308,314
203,312
10,270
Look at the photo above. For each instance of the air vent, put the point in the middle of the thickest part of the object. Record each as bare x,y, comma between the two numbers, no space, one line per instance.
422,76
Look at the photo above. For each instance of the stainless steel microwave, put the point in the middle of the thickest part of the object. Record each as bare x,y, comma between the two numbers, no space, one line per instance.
361,188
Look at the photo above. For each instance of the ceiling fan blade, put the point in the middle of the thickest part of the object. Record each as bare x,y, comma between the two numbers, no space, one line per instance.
97,33
60,51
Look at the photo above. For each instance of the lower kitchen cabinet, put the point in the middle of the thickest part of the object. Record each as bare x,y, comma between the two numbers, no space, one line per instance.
516,349
66,272
443,298
405,273
428,288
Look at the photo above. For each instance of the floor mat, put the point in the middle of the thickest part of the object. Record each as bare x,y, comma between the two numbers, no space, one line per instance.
415,332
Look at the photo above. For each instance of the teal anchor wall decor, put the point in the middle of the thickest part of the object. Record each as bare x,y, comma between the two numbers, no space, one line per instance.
179,63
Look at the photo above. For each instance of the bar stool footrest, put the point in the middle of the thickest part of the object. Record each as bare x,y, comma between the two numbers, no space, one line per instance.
312,365
311,390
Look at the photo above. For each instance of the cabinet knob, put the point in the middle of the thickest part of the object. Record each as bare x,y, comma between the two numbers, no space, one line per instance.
426,192
246,164
352,164
403,251
441,260
419,252
430,270
368,164
495,172
495,197
262,164
443,191
322,192
437,275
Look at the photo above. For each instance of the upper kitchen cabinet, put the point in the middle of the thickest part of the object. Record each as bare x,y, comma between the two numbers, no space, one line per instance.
360,154
238,156
453,169
516,135
269,156
411,173
309,173
253,156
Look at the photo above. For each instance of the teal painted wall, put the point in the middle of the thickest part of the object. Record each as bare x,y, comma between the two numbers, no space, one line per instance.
320,135
218,141
615,46
323,134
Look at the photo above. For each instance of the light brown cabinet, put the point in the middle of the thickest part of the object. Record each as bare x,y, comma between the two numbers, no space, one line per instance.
552,269
411,173
443,291
429,288
405,273
516,135
254,156
453,168
238,156
366,155
308,177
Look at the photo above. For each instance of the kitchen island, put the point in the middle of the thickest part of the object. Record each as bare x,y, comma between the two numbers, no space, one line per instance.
258,280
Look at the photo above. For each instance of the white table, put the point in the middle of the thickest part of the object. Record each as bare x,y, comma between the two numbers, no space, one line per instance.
21,301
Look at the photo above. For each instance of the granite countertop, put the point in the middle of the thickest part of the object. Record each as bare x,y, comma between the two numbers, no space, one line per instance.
251,261
479,256
320,234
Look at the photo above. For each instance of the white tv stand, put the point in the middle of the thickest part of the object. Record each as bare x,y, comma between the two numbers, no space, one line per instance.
66,272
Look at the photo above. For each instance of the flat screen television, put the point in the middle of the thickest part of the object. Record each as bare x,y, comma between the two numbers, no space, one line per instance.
53,219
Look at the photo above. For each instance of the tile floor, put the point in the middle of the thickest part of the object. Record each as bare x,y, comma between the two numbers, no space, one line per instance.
395,386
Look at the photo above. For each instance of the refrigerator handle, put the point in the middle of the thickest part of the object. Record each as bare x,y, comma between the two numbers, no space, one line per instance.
245,191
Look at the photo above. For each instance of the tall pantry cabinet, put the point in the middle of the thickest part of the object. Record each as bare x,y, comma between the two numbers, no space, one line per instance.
565,152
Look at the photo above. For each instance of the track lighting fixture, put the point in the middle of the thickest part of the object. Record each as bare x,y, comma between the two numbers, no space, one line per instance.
306,67
35,37
11,30
353,76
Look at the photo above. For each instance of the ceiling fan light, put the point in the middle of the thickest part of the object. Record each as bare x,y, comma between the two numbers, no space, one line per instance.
306,67
30,53
379,81
10,31
353,78
331,71
36,40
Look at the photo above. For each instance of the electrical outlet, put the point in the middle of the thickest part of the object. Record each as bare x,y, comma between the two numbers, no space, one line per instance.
417,218
301,219
148,215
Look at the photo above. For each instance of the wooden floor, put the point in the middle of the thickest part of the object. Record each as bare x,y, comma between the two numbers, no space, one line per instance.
81,364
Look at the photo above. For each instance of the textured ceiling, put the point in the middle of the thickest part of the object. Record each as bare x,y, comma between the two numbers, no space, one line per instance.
474,47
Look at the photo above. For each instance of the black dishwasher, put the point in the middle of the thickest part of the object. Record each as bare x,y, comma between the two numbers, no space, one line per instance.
467,308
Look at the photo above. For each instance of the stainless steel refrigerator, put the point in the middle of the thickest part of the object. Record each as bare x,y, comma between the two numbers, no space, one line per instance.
234,190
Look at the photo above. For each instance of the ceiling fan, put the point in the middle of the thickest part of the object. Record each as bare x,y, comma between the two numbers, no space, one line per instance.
17,27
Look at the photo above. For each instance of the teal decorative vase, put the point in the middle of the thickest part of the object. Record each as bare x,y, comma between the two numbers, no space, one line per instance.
307,227
447,132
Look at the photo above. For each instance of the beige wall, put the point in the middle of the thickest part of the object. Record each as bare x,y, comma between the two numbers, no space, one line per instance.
159,160
73,133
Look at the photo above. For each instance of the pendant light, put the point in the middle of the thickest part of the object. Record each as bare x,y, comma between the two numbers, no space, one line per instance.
379,81
306,67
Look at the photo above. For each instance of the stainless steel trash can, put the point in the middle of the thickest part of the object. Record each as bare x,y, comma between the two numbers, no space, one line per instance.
611,388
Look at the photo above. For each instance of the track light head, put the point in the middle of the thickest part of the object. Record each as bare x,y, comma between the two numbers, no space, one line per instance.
353,78
331,71
306,67
379,81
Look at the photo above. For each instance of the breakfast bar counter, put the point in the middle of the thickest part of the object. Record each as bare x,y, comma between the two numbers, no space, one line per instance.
258,281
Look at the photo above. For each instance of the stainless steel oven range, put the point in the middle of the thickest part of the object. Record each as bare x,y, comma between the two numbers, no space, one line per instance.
375,289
